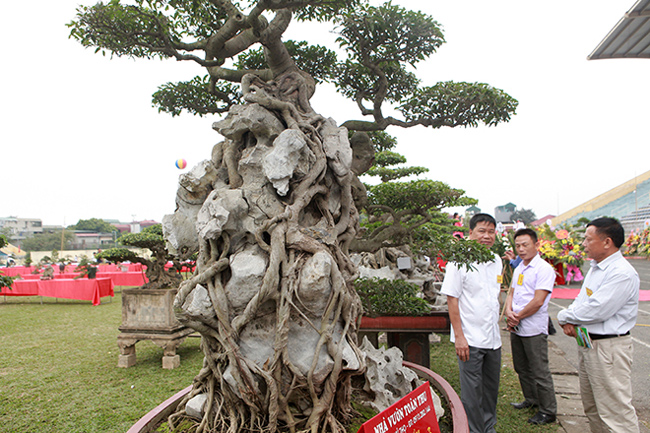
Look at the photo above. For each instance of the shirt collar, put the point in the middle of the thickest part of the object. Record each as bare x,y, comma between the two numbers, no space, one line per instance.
603,264
534,262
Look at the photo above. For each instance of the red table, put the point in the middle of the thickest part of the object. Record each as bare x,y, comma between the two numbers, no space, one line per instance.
15,270
21,288
125,278
82,289
57,276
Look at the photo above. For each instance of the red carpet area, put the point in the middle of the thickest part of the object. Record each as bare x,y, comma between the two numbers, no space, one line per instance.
564,293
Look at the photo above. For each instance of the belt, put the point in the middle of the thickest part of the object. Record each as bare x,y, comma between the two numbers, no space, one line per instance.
604,336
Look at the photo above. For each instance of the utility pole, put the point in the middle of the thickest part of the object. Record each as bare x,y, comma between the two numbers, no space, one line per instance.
62,231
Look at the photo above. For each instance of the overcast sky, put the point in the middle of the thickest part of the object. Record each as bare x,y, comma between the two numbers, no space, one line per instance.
81,140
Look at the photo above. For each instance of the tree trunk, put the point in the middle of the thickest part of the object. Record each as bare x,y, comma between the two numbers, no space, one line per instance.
272,295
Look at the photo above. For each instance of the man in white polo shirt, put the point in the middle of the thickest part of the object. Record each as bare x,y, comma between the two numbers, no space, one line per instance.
473,301
607,307
526,311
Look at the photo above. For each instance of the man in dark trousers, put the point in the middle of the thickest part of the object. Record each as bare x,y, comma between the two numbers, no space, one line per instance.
526,311
473,300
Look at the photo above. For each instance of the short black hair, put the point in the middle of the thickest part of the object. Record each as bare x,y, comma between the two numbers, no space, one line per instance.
610,228
527,232
481,217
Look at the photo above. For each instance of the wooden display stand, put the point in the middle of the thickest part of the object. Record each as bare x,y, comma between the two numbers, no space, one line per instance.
408,333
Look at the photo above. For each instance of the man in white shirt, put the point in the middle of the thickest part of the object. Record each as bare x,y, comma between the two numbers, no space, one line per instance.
526,310
607,307
473,301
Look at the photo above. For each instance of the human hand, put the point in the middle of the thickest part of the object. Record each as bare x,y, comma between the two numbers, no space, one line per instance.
462,348
569,330
512,319
510,255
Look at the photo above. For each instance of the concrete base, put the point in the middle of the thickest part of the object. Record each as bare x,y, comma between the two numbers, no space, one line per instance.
126,361
170,362
126,342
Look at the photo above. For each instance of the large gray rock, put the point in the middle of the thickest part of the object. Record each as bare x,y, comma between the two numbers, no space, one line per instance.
222,210
195,407
250,118
388,380
247,268
180,234
385,272
290,155
337,148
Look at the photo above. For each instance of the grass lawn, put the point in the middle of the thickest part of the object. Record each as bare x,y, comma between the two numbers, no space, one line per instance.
509,419
58,368
58,371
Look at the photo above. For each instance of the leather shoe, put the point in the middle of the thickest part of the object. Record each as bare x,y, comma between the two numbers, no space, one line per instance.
523,405
542,418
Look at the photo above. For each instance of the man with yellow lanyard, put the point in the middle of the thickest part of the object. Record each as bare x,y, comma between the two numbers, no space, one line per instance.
526,310
473,301
607,307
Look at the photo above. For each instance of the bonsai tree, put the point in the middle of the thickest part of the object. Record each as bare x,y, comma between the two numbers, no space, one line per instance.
28,259
272,212
85,268
152,239
397,212
382,297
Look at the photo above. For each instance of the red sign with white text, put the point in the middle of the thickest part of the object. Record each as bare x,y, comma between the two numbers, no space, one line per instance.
414,413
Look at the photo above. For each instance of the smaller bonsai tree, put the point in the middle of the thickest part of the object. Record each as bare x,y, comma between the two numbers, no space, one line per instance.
382,297
85,267
152,239
28,259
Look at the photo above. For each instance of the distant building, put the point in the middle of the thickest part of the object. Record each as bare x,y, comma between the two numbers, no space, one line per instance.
628,202
133,227
19,229
471,211
503,214
87,240
542,220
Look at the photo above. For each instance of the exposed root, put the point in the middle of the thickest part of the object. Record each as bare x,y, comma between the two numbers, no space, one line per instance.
277,396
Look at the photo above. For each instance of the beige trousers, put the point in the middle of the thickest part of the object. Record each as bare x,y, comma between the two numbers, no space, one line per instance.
606,386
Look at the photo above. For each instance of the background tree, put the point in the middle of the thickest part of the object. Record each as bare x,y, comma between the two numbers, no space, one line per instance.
239,46
95,225
150,238
5,281
6,232
526,216
48,241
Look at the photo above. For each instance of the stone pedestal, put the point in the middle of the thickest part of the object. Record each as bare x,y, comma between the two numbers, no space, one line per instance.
147,314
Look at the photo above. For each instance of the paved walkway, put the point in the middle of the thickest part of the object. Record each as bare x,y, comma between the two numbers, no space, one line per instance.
570,415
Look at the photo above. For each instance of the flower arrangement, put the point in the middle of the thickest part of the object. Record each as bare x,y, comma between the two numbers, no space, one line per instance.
560,246
638,244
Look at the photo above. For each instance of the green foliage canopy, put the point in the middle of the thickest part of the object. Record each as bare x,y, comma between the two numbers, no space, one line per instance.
381,297
228,39
526,216
48,241
94,224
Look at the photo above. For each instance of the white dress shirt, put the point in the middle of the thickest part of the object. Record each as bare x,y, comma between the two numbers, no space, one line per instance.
608,301
477,291
537,275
